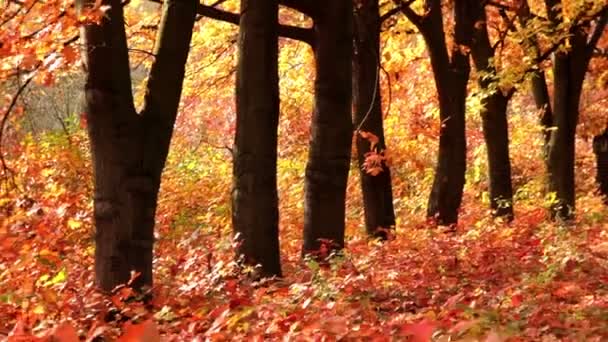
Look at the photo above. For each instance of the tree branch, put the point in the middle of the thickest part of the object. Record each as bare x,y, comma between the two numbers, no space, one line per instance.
389,14
7,112
292,32
404,7
600,26
308,7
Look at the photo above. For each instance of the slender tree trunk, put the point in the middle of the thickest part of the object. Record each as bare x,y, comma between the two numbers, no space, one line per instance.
600,149
451,75
331,131
540,90
377,190
129,150
254,195
161,104
494,120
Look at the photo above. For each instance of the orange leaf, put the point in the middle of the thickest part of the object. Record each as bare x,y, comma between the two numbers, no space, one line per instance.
70,54
144,332
64,332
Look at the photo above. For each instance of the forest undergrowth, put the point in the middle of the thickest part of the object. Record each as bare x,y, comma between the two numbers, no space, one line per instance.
486,280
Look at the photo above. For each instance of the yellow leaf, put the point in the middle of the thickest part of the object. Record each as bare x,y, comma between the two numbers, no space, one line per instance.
74,224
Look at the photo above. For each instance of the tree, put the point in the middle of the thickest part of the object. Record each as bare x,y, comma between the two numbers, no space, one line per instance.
540,90
129,149
254,195
331,131
570,64
376,189
494,116
451,74
600,149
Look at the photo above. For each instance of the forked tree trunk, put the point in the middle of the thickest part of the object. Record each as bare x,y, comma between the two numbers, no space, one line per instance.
569,73
129,150
451,74
331,131
377,191
494,120
254,195
569,69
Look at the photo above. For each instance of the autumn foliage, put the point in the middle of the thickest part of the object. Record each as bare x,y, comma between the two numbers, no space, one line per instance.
484,279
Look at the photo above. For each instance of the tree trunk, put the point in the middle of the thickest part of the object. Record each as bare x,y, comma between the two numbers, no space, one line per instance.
451,75
600,149
540,90
254,196
377,190
161,104
129,150
494,120
111,117
331,131
569,69
569,73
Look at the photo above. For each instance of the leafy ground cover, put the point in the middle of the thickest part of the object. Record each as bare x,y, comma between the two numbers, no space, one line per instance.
485,280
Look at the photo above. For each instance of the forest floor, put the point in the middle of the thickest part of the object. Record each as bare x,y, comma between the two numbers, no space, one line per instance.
486,280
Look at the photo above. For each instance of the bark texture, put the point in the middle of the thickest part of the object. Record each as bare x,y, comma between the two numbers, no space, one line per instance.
569,69
129,150
494,119
377,190
451,73
254,195
600,149
331,132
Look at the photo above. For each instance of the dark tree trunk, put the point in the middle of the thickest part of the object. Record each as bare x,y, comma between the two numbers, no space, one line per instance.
569,69
254,196
129,150
377,190
161,104
331,131
111,118
494,119
600,149
451,73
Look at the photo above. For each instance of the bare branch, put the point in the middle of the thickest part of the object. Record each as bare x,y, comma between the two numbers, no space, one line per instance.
5,169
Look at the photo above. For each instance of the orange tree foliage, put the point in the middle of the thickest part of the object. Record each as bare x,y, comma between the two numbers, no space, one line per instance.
484,280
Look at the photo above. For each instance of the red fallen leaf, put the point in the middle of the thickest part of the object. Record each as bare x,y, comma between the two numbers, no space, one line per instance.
463,326
419,332
64,332
96,331
516,300
567,290
19,334
336,325
144,332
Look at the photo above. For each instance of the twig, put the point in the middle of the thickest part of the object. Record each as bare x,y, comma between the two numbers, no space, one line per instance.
5,169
